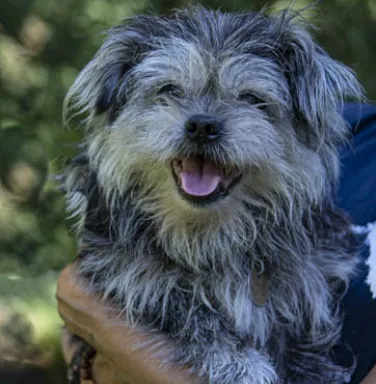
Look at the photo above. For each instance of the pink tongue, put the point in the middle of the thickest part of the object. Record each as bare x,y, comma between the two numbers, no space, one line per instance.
199,177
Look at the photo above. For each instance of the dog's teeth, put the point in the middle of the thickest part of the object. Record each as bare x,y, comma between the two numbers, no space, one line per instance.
177,166
178,163
221,188
228,171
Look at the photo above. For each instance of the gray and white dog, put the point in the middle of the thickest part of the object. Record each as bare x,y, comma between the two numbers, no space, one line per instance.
205,191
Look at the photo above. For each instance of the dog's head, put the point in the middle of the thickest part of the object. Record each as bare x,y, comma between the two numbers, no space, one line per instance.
212,114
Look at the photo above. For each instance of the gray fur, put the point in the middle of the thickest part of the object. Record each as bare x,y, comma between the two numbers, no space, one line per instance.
184,271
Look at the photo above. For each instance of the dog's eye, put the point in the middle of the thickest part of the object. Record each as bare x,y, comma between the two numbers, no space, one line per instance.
250,98
171,90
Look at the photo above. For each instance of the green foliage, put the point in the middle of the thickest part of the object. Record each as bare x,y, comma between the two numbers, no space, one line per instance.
43,45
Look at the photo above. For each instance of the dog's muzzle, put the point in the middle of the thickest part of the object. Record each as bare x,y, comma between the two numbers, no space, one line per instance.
199,177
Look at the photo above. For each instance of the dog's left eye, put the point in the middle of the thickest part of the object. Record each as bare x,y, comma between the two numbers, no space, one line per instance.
252,99
171,90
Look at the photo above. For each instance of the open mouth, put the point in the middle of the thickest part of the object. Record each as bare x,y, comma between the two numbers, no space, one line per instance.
201,181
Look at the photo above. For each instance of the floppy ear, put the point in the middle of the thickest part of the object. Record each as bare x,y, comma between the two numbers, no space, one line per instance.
318,84
96,89
108,99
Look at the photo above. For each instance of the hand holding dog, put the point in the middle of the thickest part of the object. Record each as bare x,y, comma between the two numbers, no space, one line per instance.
116,361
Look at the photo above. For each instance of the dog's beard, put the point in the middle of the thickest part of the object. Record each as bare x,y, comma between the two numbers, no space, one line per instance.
187,187
260,165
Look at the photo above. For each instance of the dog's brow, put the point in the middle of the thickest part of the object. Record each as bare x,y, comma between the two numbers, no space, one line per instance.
183,65
247,72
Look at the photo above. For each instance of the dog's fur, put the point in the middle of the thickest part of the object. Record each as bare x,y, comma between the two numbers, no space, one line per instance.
183,270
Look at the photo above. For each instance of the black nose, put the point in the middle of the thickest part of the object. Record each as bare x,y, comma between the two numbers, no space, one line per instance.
202,129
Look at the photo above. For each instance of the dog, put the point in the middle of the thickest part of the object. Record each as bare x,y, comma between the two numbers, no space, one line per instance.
205,191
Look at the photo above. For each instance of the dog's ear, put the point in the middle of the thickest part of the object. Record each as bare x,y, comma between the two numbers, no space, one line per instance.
101,87
108,99
318,85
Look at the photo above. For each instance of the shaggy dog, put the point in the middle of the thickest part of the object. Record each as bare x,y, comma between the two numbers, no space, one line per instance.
205,192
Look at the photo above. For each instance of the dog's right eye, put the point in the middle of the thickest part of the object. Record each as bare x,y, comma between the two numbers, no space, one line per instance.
252,99
171,90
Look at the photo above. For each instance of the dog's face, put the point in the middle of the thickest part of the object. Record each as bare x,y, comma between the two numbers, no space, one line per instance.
212,114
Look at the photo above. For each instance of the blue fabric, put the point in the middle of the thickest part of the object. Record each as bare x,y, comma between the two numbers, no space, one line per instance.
357,195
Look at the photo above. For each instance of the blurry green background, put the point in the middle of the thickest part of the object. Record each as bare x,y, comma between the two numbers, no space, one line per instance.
43,45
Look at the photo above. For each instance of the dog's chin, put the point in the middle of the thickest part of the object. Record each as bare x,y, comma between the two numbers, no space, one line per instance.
202,182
